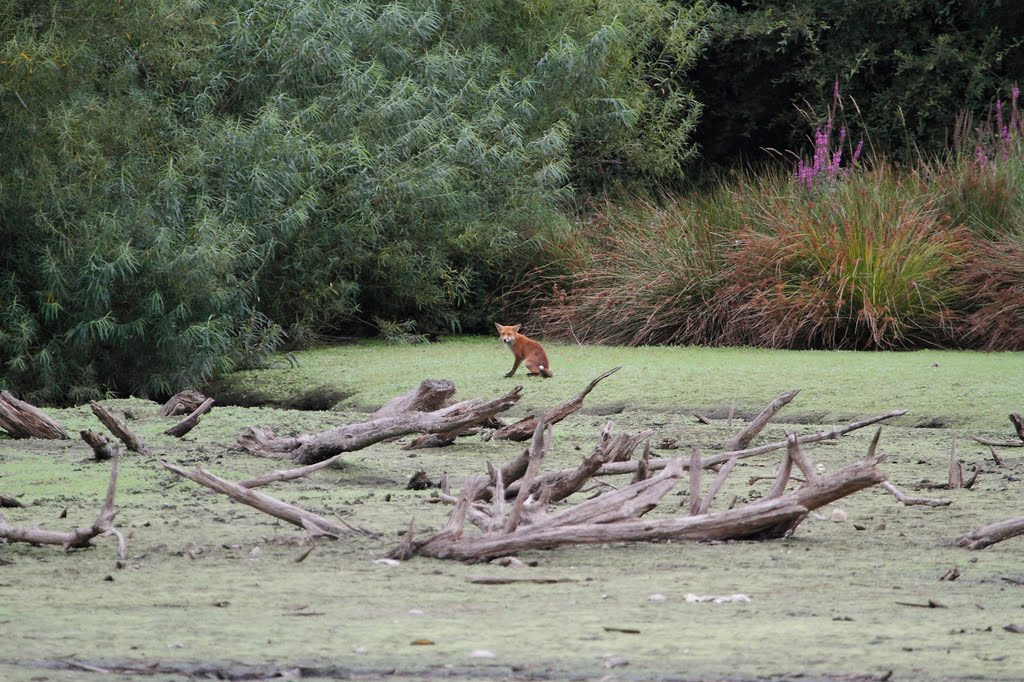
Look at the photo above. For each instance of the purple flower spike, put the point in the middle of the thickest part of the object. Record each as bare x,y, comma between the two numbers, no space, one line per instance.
835,91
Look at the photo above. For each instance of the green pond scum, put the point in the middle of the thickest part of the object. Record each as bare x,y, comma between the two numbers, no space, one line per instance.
212,587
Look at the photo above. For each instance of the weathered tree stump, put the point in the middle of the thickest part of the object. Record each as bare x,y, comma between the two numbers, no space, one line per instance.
119,428
23,420
101,448
182,403
191,421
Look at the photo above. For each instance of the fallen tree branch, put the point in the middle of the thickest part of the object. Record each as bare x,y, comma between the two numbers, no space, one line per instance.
314,524
310,449
119,428
616,468
998,443
911,501
190,422
289,474
757,424
992,533
614,516
78,538
523,429
23,420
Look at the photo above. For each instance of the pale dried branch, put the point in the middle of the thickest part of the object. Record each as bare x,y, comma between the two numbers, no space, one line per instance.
797,455
833,434
288,474
956,471
429,396
523,429
716,485
316,525
309,449
78,538
695,476
998,443
757,424
911,501
992,533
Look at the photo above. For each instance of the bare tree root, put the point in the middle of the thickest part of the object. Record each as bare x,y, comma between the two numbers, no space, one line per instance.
80,537
23,420
993,533
310,449
315,525
522,429
615,516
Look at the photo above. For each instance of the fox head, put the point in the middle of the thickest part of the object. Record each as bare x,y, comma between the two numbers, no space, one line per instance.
507,334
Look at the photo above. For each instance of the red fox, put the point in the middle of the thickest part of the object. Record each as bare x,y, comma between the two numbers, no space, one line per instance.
524,348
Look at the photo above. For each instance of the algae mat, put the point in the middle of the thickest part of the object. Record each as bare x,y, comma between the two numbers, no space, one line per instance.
215,589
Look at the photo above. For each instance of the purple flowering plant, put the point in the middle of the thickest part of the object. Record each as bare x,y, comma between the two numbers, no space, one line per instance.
825,165
1006,138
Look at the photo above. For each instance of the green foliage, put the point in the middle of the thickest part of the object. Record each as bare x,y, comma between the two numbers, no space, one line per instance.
910,65
637,272
867,264
183,180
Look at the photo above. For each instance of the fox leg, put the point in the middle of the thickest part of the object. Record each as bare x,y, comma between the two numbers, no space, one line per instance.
514,367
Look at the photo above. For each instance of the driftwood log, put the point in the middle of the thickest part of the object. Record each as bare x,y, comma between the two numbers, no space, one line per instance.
119,428
78,538
430,395
23,420
191,421
615,516
523,429
757,424
993,533
310,449
182,403
315,525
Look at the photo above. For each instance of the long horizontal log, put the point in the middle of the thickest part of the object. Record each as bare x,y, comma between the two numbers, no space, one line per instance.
314,523
318,447
992,533
595,521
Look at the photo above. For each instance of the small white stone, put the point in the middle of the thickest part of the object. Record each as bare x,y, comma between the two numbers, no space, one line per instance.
838,515
657,598
416,612
482,653
388,562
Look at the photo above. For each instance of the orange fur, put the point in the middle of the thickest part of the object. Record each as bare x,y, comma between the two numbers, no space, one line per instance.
524,349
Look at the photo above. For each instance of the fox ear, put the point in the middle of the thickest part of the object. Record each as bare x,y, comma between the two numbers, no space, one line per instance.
516,327
498,326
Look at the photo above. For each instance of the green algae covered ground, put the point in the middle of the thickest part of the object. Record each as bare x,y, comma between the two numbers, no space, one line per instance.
213,588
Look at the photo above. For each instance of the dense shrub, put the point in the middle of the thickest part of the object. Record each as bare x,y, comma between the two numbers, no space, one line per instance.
180,182
639,272
866,264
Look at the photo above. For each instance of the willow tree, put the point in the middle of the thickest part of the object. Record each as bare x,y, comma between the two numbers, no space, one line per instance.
181,181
